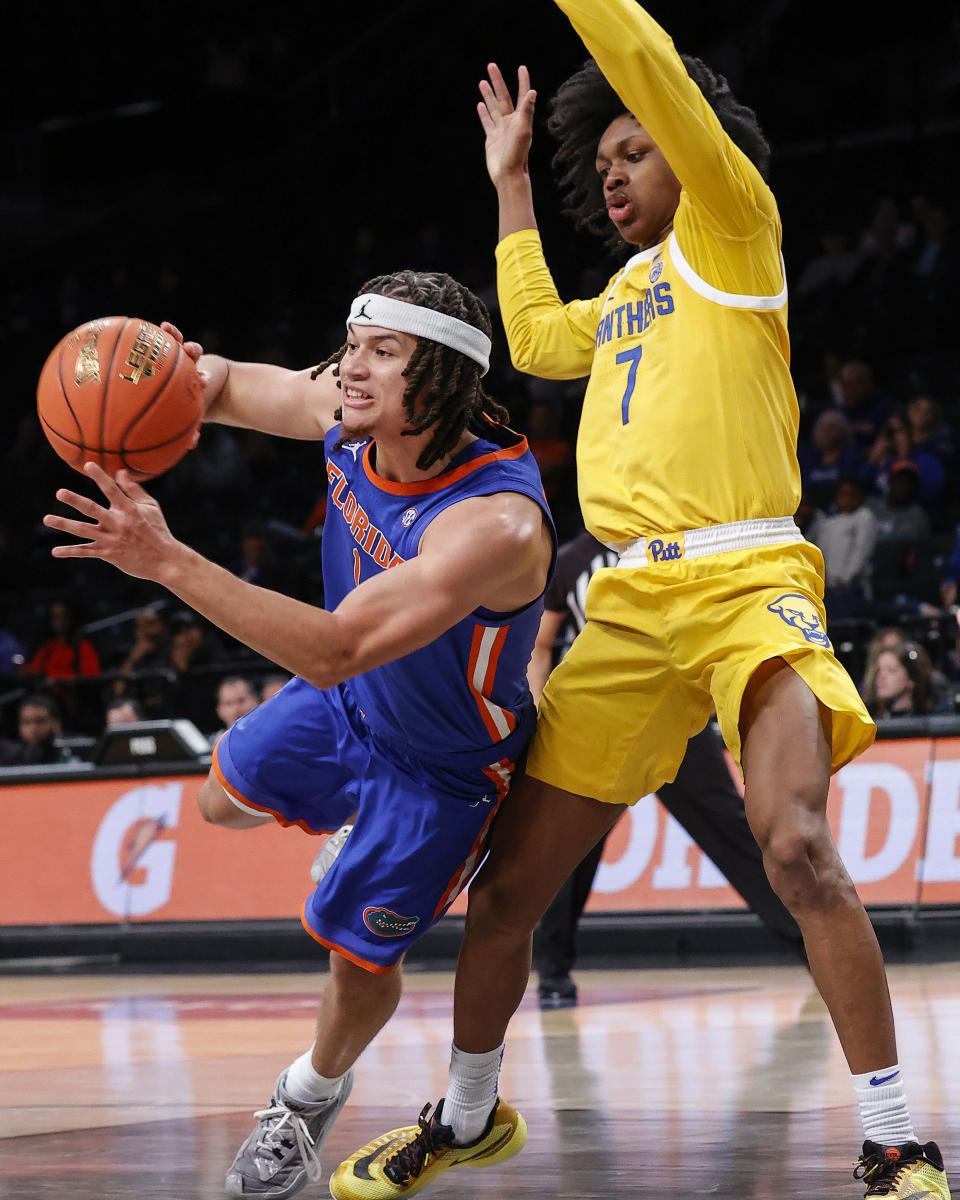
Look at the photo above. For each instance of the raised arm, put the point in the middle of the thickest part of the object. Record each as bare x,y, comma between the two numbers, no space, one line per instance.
640,62
509,132
546,337
492,552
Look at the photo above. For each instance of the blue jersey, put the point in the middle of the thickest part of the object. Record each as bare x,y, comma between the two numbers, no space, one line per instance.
465,694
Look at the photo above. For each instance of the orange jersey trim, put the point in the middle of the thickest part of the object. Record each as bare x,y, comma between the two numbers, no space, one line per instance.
465,872
439,482
499,721
232,791
496,775
374,968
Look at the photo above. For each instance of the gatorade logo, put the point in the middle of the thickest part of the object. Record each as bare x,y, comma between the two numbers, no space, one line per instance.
385,923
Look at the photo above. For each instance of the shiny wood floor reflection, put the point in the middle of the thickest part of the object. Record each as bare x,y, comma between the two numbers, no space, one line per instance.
678,1083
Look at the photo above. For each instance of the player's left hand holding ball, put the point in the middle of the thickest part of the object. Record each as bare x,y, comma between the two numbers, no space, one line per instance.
131,533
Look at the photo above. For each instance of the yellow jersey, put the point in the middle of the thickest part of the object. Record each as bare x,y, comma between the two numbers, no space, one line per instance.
690,416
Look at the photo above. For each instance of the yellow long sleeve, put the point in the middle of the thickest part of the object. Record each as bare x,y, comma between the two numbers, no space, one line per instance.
546,337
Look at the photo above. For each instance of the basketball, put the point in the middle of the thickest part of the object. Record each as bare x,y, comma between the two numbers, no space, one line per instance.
120,392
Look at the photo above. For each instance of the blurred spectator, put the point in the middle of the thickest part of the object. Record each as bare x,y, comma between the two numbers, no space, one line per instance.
190,689
121,710
63,654
888,638
894,447
928,430
807,512
898,513
150,649
948,586
236,696
146,671
863,404
836,266
272,684
846,539
12,655
554,456
830,457
932,257
38,726
900,682
892,637
258,562
191,642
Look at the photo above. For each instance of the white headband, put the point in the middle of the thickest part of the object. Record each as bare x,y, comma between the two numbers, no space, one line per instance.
388,313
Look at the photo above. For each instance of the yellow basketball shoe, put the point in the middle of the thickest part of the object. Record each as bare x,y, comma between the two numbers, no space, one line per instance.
405,1160
901,1172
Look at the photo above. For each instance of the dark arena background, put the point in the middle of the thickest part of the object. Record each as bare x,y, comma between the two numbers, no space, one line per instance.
240,172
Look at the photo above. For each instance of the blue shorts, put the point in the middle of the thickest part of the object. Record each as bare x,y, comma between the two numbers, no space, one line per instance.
307,758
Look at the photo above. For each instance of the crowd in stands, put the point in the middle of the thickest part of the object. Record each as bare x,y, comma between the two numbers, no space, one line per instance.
83,647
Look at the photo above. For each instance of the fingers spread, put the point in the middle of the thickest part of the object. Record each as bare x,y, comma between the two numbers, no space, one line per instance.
501,91
83,504
80,529
103,481
130,486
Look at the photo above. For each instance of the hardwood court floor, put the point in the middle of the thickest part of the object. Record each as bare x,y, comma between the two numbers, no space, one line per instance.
684,1082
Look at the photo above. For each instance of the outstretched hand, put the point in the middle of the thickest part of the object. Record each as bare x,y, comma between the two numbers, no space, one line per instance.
131,533
509,128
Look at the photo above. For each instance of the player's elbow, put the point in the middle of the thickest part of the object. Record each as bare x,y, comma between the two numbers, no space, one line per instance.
333,661
522,353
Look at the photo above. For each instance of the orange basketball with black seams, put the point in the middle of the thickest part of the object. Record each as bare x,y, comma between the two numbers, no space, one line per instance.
120,392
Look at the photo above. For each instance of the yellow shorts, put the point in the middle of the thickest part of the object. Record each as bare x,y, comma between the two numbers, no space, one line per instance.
666,643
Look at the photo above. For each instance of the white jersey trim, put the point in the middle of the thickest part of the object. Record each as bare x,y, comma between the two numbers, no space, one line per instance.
644,256
728,299
254,812
497,714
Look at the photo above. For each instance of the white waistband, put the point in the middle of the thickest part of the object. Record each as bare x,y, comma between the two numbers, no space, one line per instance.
712,539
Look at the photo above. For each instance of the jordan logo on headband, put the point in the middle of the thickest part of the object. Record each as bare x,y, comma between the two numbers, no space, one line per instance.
402,317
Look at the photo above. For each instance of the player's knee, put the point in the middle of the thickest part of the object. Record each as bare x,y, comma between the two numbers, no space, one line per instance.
350,977
803,866
498,909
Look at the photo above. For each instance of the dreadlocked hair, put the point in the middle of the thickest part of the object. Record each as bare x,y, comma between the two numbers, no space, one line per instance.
586,104
449,380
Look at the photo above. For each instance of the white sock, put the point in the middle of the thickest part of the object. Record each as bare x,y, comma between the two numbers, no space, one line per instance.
883,1106
471,1093
305,1084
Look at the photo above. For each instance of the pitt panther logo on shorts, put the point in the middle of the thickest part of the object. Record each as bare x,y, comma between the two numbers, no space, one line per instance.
388,924
660,551
797,611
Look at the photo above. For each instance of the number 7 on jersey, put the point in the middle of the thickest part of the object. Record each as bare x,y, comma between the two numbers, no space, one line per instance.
633,358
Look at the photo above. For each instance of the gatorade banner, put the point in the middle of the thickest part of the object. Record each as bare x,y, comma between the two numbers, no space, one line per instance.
102,851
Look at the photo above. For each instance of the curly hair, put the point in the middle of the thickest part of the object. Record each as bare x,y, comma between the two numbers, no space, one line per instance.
454,394
586,104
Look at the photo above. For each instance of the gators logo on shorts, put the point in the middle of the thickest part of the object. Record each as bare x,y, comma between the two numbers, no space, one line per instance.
797,611
388,924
